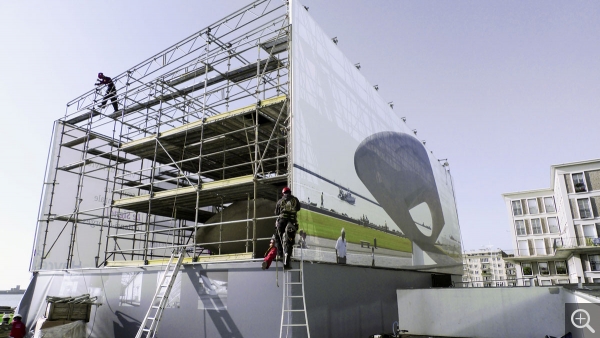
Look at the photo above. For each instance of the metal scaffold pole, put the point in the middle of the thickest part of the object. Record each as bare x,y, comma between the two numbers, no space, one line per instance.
200,129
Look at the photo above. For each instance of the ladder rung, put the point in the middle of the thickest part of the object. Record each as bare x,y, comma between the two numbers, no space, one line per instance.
171,271
291,270
294,325
293,283
294,310
294,296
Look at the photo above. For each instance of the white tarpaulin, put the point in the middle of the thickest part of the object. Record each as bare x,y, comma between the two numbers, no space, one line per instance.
69,330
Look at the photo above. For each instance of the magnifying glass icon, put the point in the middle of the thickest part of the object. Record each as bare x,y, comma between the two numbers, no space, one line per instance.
583,319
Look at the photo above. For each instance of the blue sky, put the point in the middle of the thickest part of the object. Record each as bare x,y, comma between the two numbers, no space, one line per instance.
501,89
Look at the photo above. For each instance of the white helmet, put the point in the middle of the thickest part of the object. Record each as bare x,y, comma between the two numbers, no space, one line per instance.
17,316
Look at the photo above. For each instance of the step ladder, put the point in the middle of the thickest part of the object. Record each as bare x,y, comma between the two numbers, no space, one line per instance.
294,304
159,302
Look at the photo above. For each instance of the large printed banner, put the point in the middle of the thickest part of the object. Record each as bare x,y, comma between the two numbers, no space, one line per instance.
357,166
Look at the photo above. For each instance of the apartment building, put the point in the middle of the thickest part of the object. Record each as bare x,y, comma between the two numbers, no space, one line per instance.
556,231
488,268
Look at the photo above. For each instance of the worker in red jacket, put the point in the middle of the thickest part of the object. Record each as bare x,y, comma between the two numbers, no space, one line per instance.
18,328
269,255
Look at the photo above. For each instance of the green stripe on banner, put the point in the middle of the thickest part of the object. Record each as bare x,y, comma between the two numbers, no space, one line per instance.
319,225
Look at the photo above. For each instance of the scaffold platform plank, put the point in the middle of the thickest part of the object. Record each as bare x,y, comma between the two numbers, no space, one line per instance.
269,107
183,199
243,256
227,135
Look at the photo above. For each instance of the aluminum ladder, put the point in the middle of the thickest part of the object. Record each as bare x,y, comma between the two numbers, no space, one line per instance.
294,303
159,302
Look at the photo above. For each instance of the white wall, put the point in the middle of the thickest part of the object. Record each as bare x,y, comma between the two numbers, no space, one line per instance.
486,312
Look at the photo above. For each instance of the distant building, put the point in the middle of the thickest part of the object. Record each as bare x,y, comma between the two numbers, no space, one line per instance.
12,291
556,231
487,268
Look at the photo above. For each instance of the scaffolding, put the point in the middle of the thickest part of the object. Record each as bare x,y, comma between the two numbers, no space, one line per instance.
201,125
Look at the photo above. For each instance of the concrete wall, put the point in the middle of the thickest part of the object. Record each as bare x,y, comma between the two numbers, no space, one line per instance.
342,301
486,312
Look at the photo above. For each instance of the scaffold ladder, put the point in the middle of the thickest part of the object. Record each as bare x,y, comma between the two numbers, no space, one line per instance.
159,302
294,303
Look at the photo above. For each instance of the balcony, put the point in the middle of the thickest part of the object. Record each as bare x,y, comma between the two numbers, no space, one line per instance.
563,247
576,242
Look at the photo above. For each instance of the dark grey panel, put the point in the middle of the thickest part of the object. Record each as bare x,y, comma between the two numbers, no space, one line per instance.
351,301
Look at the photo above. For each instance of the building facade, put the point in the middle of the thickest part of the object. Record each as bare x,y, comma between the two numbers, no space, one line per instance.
488,268
556,231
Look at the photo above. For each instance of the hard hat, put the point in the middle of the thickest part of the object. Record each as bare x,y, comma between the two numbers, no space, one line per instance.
17,316
100,75
286,190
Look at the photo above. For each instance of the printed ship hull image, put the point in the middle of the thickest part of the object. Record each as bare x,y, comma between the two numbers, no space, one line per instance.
186,175
396,169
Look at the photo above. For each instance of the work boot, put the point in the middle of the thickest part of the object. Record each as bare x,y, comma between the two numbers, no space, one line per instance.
264,265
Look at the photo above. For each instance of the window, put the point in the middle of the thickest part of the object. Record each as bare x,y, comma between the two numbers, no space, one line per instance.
533,206
540,248
527,270
520,225
594,262
549,204
553,225
484,260
561,268
517,209
584,208
499,283
578,182
523,248
544,270
546,282
536,226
